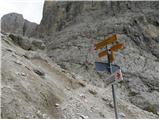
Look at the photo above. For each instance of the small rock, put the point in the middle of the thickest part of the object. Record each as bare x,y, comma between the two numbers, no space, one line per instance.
73,76
8,49
85,100
25,56
37,44
67,88
105,99
111,105
157,113
23,74
82,96
27,117
17,73
70,98
44,115
101,114
38,112
63,71
18,62
82,83
92,109
84,117
122,115
39,72
28,68
14,55
92,92
56,105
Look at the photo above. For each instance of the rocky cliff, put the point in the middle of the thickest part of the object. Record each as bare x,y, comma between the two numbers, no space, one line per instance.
58,15
74,27
70,29
15,23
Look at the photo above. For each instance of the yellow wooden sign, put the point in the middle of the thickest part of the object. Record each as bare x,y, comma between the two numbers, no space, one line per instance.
110,56
116,47
105,42
102,54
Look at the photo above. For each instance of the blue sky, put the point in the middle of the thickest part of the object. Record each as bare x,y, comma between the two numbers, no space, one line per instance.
30,9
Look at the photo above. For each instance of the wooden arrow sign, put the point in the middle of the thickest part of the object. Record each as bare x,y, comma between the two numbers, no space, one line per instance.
113,49
111,56
116,47
105,42
102,54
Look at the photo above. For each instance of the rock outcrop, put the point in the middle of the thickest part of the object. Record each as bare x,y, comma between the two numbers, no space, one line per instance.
15,23
58,15
27,43
12,23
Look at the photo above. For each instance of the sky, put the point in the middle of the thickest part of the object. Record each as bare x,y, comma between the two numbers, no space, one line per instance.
30,9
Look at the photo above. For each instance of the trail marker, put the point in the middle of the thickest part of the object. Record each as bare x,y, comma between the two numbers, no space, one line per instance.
105,42
102,54
116,47
110,56
109,67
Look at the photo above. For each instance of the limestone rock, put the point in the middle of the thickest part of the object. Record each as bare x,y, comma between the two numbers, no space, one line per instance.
74,27
68,13
16,24
27,43
29,28
24,42
12,23
37,44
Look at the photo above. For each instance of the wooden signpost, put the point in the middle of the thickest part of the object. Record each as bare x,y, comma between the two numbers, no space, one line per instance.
105,42
109,67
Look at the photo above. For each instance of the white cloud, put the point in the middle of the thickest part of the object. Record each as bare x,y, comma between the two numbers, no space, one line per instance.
30,9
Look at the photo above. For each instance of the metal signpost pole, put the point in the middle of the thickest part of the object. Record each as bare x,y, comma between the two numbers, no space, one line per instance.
114,100
113,89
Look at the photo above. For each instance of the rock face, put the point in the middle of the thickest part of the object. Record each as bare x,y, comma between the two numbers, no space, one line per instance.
74,27
29,28
58,15
15,23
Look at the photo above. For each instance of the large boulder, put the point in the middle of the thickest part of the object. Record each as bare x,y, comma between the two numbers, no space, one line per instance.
21,41
27,43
